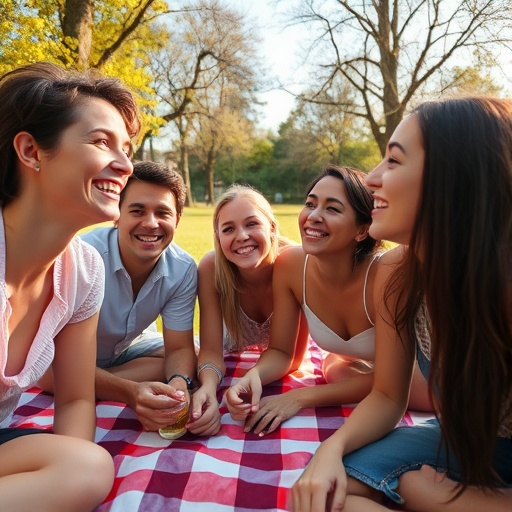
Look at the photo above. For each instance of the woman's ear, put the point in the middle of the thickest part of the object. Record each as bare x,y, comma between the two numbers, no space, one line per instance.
363,233
27,150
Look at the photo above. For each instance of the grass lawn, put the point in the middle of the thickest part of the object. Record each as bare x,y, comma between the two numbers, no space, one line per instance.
195,232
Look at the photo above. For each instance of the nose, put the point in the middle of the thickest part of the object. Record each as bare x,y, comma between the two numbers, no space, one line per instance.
122,164
150,221
241,235
373,179
315,215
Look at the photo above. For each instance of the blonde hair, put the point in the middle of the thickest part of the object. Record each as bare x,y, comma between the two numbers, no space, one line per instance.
227,275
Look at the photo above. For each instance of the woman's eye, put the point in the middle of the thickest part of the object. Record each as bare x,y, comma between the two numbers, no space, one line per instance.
227,230
391,160
308,205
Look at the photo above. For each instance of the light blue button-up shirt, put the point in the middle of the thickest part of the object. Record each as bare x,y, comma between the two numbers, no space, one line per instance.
170,291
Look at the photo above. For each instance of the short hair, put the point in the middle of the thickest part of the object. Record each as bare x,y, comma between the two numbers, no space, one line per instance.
43,99
159,174
360,198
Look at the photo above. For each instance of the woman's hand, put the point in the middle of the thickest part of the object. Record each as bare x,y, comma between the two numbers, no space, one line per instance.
243,398
205,417
323,484
273,410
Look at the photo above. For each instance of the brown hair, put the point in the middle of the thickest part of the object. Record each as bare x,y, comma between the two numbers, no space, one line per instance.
43,99
463,232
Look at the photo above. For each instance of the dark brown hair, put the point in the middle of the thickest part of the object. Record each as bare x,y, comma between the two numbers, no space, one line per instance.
361,199
43,99
158,174
459,264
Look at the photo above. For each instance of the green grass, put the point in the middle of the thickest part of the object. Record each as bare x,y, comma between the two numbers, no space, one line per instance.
195,230
195,233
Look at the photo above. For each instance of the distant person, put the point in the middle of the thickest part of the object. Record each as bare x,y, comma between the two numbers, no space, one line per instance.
330,279
235,294
65,142
444,191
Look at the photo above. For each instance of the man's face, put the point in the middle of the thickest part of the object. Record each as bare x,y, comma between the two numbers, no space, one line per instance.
147,222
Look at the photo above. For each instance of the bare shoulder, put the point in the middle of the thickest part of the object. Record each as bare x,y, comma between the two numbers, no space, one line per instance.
392,258
289,259
207,263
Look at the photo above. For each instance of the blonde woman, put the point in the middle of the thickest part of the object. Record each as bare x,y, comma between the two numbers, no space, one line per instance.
235,294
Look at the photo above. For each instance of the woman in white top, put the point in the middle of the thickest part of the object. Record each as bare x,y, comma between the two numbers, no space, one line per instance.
65,142
330,278
235,294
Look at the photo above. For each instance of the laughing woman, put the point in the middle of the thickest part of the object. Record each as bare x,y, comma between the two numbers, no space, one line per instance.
65,143
444,190
235,294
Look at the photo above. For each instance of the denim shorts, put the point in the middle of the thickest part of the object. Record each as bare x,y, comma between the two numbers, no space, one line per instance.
143,346
381,463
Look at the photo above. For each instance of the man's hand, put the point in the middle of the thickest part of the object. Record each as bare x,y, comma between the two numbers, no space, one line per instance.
157,404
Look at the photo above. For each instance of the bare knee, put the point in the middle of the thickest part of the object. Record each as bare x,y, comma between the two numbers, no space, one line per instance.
88,471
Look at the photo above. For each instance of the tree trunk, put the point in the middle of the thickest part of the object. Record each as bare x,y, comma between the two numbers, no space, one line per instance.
77,23
185,172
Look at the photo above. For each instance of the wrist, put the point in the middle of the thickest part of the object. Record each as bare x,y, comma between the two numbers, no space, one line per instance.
183,378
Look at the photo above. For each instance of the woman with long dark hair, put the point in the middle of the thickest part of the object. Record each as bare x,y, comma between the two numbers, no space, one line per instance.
444,189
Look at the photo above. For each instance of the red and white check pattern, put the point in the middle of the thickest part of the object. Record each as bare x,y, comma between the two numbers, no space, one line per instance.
229,472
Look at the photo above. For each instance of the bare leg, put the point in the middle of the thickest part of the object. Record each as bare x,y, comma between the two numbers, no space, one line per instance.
52,473
428,491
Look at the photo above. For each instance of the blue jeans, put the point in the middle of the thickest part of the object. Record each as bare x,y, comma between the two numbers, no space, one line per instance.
381,463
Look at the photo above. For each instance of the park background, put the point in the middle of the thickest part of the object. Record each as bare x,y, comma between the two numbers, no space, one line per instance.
267,92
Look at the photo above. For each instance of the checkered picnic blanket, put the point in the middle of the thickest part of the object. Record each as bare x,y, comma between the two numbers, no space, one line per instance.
232,471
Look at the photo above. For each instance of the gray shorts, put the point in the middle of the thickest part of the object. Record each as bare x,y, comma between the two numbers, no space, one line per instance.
142,346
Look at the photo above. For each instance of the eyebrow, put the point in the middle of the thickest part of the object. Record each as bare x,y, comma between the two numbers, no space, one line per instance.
161,206
328,199
244,220
110,133
392,145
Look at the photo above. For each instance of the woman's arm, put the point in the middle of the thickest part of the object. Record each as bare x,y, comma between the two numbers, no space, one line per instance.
73,370
205,418
375,416
276,361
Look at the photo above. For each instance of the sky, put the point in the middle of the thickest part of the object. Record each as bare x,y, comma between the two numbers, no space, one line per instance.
279,49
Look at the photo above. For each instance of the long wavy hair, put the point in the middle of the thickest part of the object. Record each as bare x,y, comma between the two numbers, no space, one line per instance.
361,199
227,274
459,264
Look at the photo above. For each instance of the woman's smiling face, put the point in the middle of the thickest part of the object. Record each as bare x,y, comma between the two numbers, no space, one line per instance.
396,183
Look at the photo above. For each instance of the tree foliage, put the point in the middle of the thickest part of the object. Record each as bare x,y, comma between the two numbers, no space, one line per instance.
389,51
115,36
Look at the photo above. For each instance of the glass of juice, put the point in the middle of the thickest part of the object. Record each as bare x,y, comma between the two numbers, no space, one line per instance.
177,429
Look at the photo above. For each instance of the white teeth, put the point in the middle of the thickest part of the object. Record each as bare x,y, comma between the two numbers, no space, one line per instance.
108,186
245,250
378,203
147,238
315,233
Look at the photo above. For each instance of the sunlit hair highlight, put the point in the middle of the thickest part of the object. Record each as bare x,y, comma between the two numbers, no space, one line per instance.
227,275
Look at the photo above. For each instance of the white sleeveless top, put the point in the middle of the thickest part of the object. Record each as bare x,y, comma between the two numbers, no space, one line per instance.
360,346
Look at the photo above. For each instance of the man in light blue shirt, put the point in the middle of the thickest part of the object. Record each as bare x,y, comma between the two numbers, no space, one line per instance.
147,275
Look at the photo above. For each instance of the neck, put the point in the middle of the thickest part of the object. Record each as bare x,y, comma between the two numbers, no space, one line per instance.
33,242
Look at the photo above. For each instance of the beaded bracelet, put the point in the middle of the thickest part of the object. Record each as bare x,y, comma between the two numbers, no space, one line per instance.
208,365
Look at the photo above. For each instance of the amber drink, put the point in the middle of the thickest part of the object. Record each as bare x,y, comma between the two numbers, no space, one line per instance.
177,429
